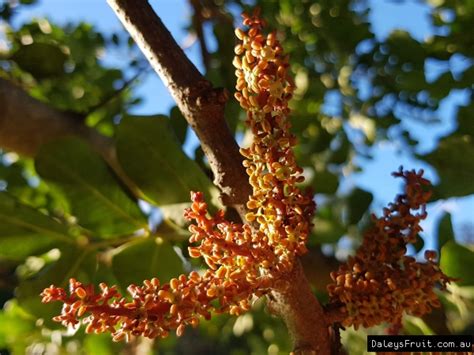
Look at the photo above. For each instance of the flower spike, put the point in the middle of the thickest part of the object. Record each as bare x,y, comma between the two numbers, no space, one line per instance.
381,283
244,260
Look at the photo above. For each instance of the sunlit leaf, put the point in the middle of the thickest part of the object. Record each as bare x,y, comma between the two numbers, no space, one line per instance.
16,327
416,326
95,196
25,231
458,261
101,344
150,154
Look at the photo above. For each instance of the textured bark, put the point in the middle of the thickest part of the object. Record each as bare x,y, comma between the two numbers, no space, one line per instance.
303,315
201,104
203,107
26,123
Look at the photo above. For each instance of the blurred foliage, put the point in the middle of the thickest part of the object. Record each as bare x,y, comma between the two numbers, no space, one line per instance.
66,214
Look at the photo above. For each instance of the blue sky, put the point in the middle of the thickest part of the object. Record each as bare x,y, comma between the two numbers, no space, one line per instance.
385,16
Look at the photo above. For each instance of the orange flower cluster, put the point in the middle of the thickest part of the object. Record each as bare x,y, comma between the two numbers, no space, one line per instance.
264,87
380,282
153,310
245,260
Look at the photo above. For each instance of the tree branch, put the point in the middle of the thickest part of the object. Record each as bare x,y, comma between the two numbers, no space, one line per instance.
203,108
26,124
302,313
201,104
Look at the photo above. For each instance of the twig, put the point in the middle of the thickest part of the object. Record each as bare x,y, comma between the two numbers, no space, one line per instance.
26,124
198,21
125,85
201,104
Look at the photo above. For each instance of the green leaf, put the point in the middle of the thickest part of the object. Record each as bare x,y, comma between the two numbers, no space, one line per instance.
94,194
454,162
324,182
458,261
150,154
101,344
445,230
41,59
25,231
358,203
179,124
144,259
171,231
416,326
16,328
442,86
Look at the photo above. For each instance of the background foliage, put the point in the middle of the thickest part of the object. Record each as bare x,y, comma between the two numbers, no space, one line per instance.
65,214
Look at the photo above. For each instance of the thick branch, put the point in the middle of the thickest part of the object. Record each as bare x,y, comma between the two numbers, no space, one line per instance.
26,124
302,313
201,104
203,108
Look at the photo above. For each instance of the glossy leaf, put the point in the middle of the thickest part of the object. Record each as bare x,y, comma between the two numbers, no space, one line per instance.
25,231
145,259
454,162
150,154
95,196
458,261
